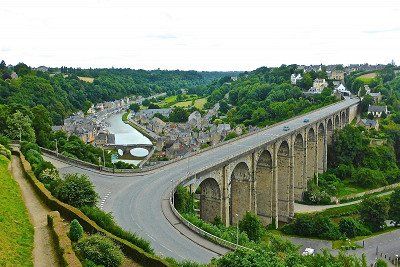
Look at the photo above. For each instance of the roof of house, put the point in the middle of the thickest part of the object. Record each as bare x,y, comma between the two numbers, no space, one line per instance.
368,122
373,108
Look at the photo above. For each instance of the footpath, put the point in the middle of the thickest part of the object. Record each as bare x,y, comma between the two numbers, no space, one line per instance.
44,253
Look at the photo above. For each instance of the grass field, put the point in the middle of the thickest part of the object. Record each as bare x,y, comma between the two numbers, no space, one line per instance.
198,103
16,231
367,78
171,101
86,79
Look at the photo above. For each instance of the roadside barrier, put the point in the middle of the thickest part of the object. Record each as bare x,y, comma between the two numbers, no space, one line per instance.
69,212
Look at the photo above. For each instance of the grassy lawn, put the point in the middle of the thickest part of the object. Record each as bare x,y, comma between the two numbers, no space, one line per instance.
198,103
349,189
367,78
172,101
16,231
86,79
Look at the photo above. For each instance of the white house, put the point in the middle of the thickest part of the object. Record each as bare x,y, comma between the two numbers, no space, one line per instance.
341,89
377,111
294,78
320,84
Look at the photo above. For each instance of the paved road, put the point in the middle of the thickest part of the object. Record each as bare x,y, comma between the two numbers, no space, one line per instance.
135,200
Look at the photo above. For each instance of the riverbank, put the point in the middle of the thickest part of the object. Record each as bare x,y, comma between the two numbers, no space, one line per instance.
139,128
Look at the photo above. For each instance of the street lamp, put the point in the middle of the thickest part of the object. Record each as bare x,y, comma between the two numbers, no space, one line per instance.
20,134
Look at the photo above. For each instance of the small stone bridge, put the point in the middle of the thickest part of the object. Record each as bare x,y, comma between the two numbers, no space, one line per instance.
126,148
269,178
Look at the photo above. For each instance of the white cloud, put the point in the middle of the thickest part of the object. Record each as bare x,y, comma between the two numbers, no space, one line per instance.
204,35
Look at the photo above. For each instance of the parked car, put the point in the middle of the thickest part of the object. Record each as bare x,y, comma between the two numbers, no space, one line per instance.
306,120
308,251
286,128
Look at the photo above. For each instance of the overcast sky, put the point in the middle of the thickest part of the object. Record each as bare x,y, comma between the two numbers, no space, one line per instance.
200,35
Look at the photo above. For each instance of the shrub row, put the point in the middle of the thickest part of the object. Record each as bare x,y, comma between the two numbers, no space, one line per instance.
70,213
63,243
319,226
218,230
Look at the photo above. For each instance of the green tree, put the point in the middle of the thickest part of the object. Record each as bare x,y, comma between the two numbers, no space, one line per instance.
365,102
41,123
134,107
374,212
394,203
183,200
87,105
178,114
75,230
351,227
22,69
19,124
77,190
100,250
252,226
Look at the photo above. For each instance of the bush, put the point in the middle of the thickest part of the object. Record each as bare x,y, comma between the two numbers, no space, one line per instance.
221,231
76,190
34,157
5,141
50,178
183,200
394,204
25,146
75,231
100,250
313,226
351,228
106,221
252,226
374,212
5,152
368,178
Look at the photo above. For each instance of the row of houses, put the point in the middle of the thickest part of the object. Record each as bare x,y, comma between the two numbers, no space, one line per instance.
178,139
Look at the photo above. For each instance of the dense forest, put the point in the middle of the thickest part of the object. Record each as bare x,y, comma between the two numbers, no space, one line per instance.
63,92
265,96
32,101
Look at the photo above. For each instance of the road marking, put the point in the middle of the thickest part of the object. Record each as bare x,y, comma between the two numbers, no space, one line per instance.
103,201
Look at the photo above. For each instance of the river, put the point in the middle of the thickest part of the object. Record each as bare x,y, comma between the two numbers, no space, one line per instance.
126,134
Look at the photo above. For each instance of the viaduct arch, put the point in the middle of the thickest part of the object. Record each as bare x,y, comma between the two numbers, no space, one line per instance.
268,179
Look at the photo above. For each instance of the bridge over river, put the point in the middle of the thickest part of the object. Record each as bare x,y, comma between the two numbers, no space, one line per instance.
263,172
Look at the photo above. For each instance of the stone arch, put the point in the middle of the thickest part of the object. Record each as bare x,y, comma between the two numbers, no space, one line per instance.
311,154
284,181
329,131
337,122
344,119
210,200
240,192
321,148
299,164
264,187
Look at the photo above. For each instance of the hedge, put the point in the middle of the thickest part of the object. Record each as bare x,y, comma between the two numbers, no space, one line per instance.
63,243
90,226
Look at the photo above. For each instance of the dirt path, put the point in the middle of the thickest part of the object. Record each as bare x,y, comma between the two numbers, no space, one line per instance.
44,253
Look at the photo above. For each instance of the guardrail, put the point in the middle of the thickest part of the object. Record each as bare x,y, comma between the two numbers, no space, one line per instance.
201,232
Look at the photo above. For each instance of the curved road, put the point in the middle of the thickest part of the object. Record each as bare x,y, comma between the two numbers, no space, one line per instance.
135,199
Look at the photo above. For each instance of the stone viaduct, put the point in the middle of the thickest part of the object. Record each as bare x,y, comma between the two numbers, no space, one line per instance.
267,180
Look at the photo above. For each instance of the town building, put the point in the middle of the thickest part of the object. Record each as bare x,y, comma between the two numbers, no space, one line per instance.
377,111
295,78
369,124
